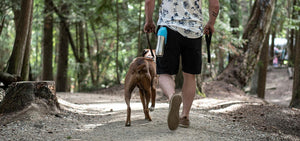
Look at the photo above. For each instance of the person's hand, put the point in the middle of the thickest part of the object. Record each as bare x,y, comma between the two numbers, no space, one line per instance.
209,28
149,27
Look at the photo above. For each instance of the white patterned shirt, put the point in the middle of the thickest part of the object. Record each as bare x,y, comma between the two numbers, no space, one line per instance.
183,16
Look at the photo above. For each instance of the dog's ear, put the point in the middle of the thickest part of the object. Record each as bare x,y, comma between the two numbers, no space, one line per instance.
145,52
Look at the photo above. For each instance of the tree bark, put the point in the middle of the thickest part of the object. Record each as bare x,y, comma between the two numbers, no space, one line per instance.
22,95
234,17
295,102
291,48
89,52
47,69
179,77
16,8
117,47
272,45
82,70
241,68
263,66
220,60
254,80
63,53
15,63
26,60
97,53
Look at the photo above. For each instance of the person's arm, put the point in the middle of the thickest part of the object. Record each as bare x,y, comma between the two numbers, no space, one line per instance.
149,9
213,14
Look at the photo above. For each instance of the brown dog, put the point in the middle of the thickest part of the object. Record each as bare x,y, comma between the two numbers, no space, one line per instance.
142,73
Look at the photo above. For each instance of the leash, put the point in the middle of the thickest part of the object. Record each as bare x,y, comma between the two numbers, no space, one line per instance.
208,41
149,44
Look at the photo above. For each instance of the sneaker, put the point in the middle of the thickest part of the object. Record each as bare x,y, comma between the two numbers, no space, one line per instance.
173,115
184,122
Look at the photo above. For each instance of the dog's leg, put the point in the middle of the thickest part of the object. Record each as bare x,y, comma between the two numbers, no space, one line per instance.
147,95
128,91
153,96
143,96
127,100
153,93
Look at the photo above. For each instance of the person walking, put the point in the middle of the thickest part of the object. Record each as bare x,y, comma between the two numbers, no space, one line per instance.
183,22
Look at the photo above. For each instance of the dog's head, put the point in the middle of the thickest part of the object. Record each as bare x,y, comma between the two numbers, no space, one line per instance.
147,54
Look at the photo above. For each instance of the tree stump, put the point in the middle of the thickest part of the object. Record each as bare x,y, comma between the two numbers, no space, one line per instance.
25,94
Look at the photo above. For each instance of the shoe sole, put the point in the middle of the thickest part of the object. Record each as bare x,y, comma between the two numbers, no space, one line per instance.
173,115
184,126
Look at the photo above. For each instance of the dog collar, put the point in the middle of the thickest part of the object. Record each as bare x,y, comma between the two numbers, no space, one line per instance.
150,57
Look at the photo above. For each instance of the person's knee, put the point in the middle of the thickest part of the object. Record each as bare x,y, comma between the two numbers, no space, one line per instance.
188,76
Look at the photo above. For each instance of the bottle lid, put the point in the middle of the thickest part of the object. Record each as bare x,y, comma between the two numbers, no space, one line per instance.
163,32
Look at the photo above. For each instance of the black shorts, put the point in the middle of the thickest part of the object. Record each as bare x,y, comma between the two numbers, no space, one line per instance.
178,45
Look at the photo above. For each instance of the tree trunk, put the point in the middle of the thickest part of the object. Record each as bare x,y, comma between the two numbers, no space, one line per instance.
47,69
15,63
241,68
263,66
234,17
291,48
27,94
117,48
179,77
89,52
200,78
26,60
254,80
220,60
97,53
16,8
295,102
63,20
272,45
258,79
82,70
63,52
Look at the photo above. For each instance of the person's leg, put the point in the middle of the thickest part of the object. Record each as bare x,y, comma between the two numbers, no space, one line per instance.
166,67
188,93
167,84
191,65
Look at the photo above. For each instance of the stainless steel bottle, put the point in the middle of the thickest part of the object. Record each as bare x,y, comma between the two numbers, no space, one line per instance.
160,46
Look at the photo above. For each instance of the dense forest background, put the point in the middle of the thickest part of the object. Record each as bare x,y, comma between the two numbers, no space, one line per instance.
88,44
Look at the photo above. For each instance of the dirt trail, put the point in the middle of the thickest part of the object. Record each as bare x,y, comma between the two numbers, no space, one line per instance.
101,116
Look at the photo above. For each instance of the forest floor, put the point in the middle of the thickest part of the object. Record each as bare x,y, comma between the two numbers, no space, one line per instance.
100,116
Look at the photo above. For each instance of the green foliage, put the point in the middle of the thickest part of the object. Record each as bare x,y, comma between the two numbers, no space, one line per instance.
294,23
6,37
200,93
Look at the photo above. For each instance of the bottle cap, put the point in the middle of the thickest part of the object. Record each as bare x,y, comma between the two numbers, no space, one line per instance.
163,32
